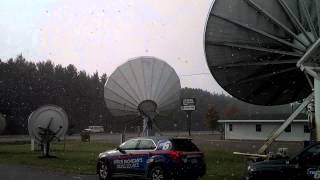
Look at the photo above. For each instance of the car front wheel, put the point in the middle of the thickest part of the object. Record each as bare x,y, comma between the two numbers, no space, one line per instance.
157,173
104,171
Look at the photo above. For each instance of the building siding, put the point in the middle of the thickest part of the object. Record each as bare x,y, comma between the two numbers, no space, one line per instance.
247,131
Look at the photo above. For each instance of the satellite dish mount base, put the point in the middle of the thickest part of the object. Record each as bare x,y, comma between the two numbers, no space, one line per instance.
45,148
148,109
47,136
147,127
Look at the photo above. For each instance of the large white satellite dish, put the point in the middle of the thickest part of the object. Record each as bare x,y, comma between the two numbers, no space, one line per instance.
46,124
143,86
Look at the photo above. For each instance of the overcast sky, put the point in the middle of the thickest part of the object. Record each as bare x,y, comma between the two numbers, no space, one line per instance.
99,35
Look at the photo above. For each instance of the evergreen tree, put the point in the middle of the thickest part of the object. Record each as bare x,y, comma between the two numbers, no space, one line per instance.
212,118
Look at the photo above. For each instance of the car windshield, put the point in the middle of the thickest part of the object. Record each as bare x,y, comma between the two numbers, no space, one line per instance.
129,145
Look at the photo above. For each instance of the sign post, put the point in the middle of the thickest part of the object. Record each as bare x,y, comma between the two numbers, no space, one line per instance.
188,105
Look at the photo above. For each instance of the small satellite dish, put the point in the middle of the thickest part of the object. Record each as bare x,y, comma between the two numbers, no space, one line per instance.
144,86
46,124
253,47
3,123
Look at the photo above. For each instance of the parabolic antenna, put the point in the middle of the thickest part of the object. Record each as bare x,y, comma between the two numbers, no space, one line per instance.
46,124
143,86
266,52
253,48
3,123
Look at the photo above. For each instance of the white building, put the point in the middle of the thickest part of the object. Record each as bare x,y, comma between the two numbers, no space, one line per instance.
262,129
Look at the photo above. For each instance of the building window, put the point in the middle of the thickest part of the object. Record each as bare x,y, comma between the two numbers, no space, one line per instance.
258,127
288,129
306,129
230,127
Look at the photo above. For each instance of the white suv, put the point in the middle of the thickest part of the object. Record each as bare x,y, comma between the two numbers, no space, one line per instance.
95,129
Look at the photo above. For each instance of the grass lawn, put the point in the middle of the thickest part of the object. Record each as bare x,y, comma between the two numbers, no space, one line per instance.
224,166
80,158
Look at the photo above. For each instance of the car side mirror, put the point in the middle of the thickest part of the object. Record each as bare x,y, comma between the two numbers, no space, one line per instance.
121,150
287,162
293,163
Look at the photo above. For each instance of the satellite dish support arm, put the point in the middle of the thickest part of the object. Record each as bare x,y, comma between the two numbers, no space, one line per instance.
286,123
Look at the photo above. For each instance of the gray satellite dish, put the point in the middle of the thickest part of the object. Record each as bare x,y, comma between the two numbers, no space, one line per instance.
144,86
253,47
266,52
3,123
46,124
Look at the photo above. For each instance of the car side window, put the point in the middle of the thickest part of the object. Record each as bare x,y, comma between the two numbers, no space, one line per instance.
164,145
129,145
184,145
146,144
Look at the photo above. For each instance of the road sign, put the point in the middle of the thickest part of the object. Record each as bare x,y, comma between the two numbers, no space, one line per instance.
188,105
188,108
188,102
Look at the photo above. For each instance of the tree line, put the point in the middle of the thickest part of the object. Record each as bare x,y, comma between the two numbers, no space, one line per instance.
25,86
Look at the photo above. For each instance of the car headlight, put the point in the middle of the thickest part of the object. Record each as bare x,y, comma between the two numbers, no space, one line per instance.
101,155
250,168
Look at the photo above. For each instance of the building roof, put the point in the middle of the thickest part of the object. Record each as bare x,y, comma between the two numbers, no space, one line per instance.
260,121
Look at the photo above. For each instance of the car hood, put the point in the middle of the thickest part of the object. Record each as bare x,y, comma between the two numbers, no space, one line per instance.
268,165
113,152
